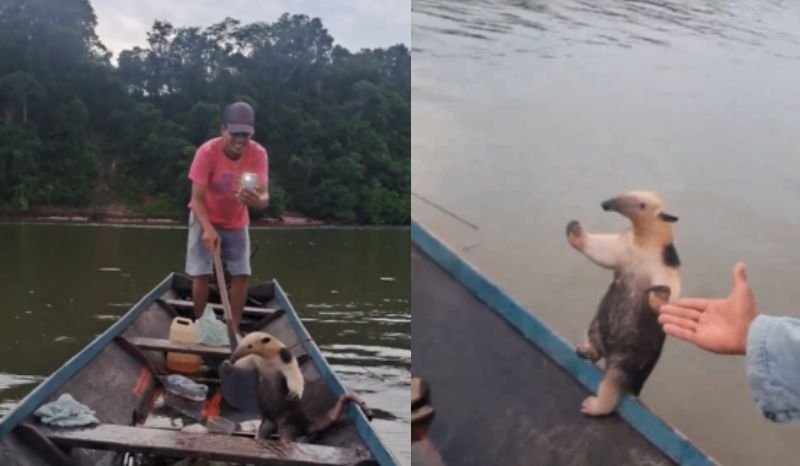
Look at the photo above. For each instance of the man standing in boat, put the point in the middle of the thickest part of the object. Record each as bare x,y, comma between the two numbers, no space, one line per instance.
229,173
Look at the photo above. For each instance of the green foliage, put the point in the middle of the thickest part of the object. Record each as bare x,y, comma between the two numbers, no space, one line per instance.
19,160
277,201
76,130
162,206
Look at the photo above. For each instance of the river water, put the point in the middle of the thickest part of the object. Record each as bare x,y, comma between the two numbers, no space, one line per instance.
527,114
63,285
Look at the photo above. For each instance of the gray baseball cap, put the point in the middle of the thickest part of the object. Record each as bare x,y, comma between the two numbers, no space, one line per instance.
239,117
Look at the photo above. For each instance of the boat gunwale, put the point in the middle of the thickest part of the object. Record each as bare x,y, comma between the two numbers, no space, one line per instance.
368,435
664,437
54,381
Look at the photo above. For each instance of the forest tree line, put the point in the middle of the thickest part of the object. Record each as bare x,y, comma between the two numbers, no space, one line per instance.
78,130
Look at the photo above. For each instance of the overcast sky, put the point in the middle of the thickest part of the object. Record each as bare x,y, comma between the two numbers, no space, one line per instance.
354,24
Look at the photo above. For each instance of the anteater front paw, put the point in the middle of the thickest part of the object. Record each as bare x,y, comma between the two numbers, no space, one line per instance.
575,234
658,296
574,228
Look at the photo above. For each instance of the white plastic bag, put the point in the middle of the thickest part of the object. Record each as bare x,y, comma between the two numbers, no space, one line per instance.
210,330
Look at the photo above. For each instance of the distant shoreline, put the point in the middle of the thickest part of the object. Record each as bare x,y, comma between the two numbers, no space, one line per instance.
85,217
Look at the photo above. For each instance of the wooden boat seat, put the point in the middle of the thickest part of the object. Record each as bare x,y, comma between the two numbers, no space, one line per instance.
248,310
214,447
162,344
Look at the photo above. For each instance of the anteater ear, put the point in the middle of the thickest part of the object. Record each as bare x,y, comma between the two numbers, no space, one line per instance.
265,340
667,217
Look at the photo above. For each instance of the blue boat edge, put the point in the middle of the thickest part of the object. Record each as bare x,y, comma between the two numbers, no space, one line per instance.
666,438
382,454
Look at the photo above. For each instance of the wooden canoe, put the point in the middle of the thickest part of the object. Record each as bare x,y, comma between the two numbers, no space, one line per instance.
120,376
493,385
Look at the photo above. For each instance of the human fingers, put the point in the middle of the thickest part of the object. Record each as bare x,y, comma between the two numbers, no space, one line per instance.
679,333
688,324
699,304
680,311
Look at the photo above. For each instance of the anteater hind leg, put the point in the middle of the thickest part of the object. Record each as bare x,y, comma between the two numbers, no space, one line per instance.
288,432
608,394
266,429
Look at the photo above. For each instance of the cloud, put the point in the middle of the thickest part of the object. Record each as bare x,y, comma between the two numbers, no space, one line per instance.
355,24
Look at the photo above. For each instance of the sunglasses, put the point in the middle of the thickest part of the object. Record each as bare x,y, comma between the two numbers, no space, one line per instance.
241,135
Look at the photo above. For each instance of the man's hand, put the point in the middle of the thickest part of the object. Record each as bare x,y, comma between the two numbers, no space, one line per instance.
251,198
211,240
716,325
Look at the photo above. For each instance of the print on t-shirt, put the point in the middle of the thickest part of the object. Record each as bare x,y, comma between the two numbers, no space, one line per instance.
225,182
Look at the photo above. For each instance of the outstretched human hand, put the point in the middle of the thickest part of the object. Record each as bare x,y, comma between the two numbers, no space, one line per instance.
716,325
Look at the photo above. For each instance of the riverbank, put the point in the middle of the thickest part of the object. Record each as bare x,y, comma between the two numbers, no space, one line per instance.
122,216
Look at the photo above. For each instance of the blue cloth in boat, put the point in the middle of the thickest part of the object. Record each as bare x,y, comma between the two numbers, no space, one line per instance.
66,412
773,366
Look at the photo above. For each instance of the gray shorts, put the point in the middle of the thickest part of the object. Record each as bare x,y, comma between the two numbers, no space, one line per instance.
235,251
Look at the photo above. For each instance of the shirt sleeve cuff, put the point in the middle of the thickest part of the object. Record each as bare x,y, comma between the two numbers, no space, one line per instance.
765,357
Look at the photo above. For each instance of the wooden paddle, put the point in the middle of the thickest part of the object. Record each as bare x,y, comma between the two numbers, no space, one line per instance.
238,386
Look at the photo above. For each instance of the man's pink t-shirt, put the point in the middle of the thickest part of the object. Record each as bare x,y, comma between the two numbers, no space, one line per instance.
222,177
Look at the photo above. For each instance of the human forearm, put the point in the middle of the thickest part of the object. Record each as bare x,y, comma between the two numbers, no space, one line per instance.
263,200
201,214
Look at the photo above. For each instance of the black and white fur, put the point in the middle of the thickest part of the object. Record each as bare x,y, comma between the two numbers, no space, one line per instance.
625,331
280,387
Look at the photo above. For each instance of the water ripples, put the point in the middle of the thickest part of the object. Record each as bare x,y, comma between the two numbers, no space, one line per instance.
527,26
